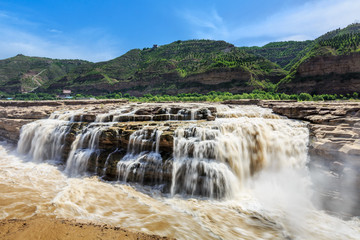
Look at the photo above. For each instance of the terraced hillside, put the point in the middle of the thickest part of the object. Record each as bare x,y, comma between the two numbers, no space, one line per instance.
328,64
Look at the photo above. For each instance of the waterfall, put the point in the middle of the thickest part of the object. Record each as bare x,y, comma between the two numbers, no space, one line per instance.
142,156
219,172
85,146
217,159
44,139
208,158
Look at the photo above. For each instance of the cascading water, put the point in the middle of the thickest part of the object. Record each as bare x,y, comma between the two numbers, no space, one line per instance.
142,154
211,159
252,161
44,139
195,170
85,146
216,159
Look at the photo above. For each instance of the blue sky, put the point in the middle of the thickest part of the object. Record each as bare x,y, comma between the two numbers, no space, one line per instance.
101,30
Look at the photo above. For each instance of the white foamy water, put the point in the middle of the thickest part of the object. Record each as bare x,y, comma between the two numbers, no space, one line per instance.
238,178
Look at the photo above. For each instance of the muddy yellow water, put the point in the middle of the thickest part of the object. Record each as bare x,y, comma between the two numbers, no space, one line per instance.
264,211
256,160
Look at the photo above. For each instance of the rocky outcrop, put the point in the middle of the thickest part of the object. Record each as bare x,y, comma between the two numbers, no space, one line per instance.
15,114
108,131
334,150
13,118
334,131
335,126
330,64
326,75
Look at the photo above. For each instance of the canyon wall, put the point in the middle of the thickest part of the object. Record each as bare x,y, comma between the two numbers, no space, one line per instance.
326,75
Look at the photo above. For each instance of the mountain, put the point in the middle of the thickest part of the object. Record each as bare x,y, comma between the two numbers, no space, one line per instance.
26,74
181,66
328,64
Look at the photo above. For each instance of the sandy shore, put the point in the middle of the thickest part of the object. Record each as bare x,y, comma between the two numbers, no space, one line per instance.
49,228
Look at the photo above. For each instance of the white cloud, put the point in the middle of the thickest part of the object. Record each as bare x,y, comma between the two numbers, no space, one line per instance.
54,30
88,44
309,21
206,24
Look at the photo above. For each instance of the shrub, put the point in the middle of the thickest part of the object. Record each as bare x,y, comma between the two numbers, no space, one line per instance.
305,97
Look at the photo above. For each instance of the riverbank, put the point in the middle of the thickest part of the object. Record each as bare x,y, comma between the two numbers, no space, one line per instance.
49,228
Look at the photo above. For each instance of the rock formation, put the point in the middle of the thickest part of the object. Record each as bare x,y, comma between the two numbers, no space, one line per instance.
326,75
334,135
334,149
15,114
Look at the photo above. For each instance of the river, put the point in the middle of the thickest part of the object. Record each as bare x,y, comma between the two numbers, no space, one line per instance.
242,176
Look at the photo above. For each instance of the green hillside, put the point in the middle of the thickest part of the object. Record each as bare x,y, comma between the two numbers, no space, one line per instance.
290,54
172,62
26,74
180,67
281,53
186,58
335,43
350,29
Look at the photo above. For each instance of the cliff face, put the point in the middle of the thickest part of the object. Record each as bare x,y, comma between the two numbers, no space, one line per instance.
334,150
324,65
226,79
326,75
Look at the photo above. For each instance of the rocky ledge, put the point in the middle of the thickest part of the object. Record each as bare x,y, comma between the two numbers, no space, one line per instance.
334,126
109,130
334,149
15,114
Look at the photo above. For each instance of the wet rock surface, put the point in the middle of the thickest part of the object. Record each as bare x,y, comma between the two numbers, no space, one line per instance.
15,114
334,149
105,131
335,126
334,137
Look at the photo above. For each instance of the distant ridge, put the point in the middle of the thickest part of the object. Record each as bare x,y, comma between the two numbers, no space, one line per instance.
191,66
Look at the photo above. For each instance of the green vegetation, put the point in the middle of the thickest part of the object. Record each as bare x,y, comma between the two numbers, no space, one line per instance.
181,66
281,53
170,63
22,73
223,96
212,96
350,29
341,44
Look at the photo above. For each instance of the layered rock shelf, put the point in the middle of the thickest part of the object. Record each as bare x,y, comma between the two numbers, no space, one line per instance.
15,114
326,74
334,133
334,126
334,149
